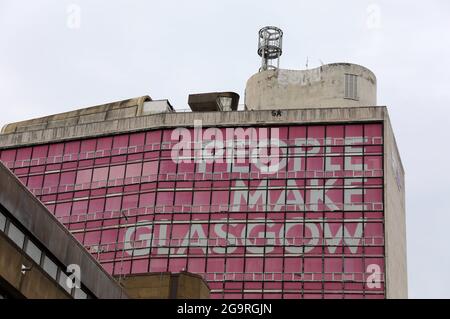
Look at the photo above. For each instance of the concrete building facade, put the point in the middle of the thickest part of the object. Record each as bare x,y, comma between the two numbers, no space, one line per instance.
300,195
330,85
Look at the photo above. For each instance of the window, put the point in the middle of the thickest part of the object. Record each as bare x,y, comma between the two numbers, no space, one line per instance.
2,222
67,178
84,176
34,252
35,181
23,154
40,151
351,86
63,209
50,267
133,170
79,207
16,235
8,157
72,148
116,172
150,168
104,143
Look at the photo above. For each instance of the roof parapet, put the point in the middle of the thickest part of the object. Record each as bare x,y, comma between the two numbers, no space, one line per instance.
99,113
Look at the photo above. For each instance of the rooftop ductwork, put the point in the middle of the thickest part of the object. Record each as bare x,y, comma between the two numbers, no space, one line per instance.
214,102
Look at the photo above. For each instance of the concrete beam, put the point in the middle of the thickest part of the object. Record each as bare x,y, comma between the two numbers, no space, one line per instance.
215,119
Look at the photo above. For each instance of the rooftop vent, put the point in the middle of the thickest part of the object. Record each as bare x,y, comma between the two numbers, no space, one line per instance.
155,107
214,102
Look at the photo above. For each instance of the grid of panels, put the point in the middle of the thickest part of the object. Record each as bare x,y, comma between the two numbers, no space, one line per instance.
303,219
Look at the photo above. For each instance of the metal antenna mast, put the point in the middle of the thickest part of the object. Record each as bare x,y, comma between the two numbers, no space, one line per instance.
270,42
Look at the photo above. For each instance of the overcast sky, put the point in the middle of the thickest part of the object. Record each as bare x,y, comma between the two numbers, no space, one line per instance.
53,60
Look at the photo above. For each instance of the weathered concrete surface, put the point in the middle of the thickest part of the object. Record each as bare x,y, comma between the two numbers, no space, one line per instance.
191,286
218,119
316,88
395,217
35,217
155,107
147,286
165,285
34,284
93,114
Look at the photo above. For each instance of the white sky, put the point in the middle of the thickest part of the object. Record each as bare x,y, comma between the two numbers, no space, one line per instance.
168,49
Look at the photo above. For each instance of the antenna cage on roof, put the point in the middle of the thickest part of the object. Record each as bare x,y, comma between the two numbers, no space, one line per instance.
270,47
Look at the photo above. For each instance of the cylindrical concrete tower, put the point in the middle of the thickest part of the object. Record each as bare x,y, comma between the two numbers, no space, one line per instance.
331,85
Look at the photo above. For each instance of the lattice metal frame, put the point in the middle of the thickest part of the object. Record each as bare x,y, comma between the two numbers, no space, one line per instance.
270,47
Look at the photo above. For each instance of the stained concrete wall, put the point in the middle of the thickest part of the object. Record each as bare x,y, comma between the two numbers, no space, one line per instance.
191,286
315,88
165,285
395,217
34,284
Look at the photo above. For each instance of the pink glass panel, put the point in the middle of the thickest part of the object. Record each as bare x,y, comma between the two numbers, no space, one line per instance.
239,224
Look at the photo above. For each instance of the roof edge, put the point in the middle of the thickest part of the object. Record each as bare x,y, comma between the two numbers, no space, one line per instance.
186,119
75,115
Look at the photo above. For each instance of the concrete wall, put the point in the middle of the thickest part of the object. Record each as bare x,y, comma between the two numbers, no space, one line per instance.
395,217
35,217
219,119
316,88
166,286
93,114
147,286
34,284
191,286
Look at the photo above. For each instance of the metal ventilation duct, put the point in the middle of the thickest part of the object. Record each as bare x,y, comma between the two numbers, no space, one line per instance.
214,102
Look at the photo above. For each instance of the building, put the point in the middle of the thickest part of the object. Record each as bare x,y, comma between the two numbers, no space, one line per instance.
298,195
39,256
40,259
